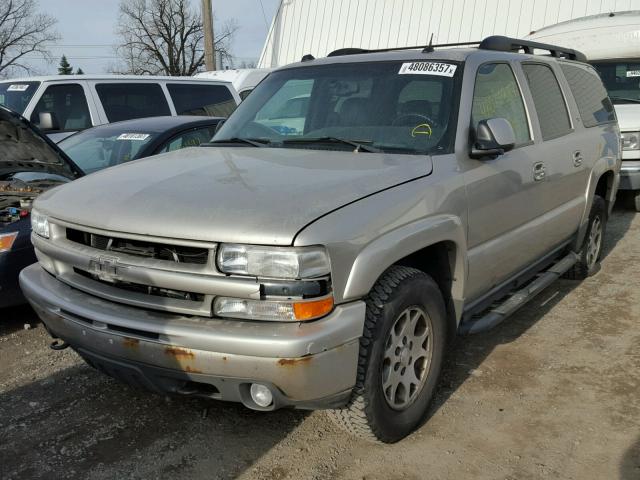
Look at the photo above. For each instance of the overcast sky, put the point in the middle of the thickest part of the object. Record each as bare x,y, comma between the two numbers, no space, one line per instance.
87,30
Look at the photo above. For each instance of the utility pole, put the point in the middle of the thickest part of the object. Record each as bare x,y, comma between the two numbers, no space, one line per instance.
207,25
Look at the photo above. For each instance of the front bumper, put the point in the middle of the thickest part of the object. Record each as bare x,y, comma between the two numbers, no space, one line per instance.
630,175
306,365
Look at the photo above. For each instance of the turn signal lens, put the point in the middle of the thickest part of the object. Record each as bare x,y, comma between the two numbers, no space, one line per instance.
6,241
313,309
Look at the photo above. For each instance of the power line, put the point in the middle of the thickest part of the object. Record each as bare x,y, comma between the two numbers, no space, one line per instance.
264,15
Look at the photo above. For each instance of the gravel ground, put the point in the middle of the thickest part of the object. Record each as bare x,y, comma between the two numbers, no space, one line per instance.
552,393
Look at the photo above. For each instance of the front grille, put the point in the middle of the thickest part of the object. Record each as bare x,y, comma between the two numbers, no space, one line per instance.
158,251
146,289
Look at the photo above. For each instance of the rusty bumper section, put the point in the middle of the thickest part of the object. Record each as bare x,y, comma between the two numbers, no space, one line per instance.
305,365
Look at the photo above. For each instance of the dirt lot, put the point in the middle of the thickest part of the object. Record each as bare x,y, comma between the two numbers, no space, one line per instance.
553,393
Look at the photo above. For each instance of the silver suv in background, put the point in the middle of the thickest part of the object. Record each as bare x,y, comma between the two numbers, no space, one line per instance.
323,256
62,104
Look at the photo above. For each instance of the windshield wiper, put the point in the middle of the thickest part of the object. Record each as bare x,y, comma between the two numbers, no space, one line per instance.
358,144
254,142
632,100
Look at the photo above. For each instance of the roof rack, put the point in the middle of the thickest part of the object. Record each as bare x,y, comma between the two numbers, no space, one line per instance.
495,42
424,48
506,44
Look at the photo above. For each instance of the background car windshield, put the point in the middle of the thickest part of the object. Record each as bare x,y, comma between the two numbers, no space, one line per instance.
16,95
94,150
383,105
621,79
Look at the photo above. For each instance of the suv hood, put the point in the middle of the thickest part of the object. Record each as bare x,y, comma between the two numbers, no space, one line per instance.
24,148
628,116
228,194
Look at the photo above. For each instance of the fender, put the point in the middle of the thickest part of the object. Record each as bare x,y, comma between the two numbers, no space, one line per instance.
386,250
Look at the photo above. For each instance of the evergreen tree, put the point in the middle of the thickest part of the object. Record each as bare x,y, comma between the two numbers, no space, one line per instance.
79,71
64,67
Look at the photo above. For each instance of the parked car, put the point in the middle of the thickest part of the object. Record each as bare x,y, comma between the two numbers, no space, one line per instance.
611,43
119,142
244,80
30,164
63,104
430,192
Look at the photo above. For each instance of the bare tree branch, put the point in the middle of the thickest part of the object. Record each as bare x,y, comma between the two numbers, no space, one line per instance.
165,37
23,31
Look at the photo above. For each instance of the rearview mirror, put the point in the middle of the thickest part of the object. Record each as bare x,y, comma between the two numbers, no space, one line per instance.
493,137
47,121
219,125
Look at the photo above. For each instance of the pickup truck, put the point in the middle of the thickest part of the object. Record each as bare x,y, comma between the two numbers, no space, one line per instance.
324,256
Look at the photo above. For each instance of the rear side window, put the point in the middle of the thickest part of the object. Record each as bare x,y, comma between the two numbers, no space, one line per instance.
593,102
496,95
67,105
548,100
192,99
123,101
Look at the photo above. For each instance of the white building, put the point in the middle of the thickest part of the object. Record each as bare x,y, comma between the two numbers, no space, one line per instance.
321,26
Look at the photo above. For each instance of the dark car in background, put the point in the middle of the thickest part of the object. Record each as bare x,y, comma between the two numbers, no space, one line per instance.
30,164
115,143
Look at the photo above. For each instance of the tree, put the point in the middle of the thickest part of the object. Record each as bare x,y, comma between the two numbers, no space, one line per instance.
23,31
64,67
79,71
165,37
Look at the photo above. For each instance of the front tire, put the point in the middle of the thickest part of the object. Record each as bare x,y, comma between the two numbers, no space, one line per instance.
635,200
401,356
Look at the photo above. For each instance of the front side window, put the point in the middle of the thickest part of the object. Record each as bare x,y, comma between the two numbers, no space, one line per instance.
105,146
67,107
191,138
496,95
593,103
621,78
548,100
124,101
194,99
16,95
402,107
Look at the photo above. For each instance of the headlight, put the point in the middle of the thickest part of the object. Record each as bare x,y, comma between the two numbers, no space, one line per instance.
273,262
6,241
630,140
275,311
40,224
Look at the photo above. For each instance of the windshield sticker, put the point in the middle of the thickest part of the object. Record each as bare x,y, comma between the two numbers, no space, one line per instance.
428,68
133,136
17,87
422,129
633,73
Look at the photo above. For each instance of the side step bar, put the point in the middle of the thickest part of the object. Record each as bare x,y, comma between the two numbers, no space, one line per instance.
496,315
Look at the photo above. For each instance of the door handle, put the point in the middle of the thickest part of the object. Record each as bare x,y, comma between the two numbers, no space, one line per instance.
577,158
539,171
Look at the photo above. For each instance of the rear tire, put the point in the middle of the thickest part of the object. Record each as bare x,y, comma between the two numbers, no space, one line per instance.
401,356
591,252
635,200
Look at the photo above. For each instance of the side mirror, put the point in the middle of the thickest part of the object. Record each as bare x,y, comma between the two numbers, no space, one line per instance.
493,137
48,121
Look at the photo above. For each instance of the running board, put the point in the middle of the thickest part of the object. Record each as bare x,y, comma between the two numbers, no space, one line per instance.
497,314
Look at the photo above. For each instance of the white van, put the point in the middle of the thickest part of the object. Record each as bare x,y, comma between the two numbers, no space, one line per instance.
63,104
244,80
611,43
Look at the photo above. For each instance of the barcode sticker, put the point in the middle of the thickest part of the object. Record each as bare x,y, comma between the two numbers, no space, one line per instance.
133,136
428,68
17,87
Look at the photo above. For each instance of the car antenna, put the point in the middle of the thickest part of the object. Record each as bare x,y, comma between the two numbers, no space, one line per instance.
429,48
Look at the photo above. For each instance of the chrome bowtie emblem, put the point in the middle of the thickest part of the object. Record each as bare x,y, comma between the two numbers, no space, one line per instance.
105,267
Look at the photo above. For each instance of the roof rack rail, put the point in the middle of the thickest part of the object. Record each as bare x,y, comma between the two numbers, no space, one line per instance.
424,48
507,44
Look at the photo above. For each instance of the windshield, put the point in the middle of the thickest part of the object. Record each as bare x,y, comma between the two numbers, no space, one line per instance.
16,95
99,148
621,79
402,107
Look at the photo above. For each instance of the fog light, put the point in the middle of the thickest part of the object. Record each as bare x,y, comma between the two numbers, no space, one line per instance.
261,395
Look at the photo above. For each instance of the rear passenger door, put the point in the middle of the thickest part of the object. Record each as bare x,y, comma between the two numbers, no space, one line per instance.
504,198
201,99
560,153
